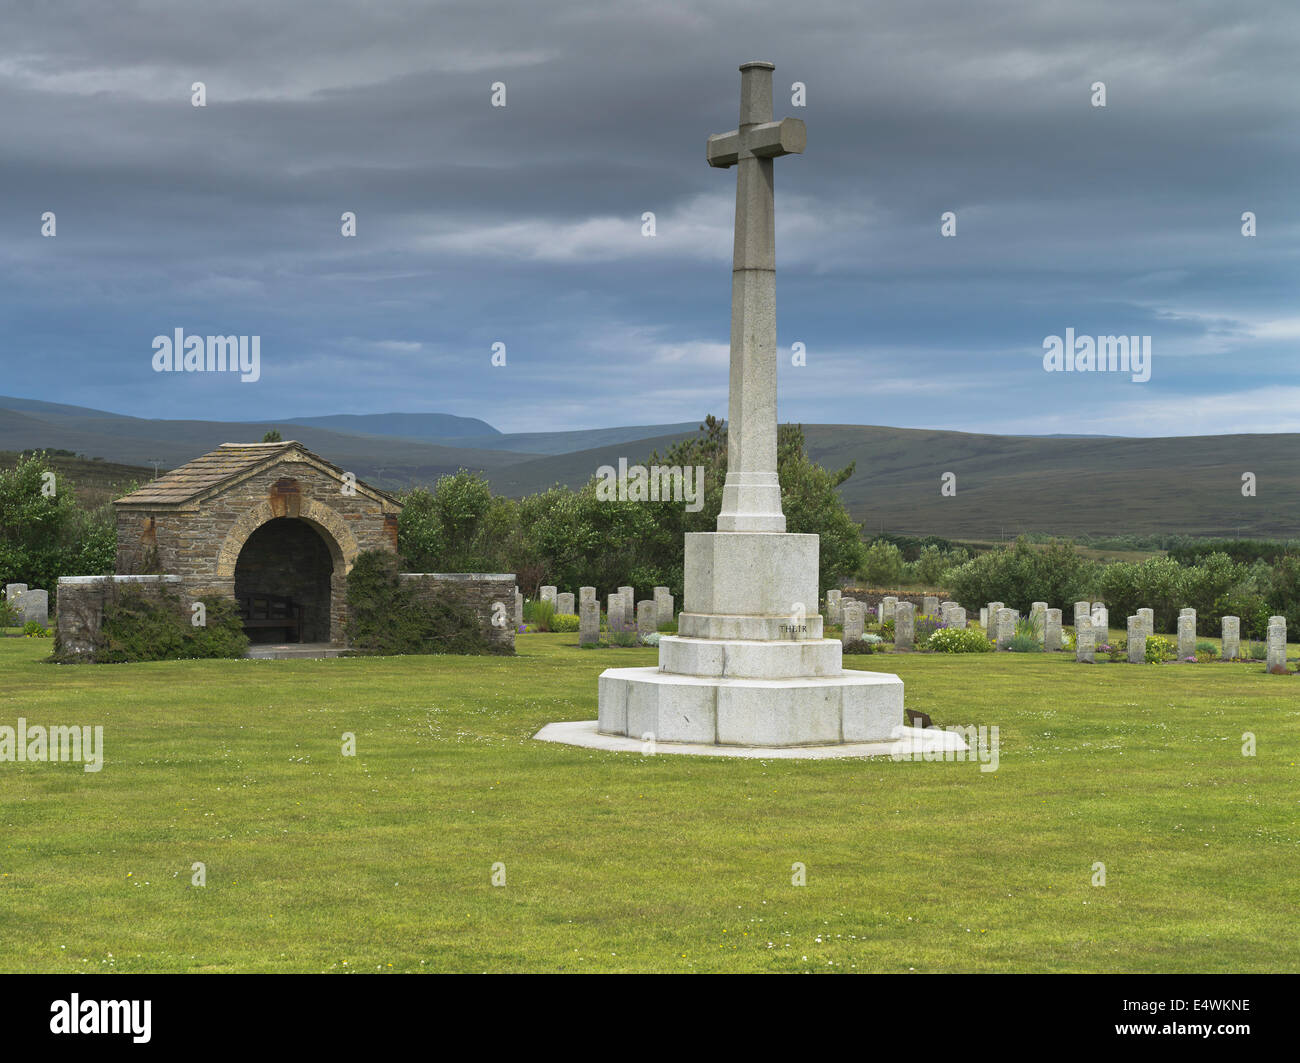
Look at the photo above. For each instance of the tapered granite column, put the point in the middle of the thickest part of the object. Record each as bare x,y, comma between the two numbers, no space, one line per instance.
751,495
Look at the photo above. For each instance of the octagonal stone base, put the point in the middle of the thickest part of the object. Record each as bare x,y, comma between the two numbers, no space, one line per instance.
804,711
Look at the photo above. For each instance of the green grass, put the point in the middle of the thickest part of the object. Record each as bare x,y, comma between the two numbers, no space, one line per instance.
317,862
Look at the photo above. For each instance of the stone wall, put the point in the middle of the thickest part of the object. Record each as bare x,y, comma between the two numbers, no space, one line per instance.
82,600
480,591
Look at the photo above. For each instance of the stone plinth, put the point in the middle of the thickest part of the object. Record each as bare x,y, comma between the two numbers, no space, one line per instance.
804,711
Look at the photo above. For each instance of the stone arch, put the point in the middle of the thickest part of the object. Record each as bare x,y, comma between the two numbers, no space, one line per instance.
341,542
334,533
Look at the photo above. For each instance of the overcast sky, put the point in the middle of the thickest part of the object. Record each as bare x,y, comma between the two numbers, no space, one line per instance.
522,224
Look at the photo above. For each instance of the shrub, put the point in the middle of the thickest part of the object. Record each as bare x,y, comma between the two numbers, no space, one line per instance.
862,646
1159,649
1021,575
33,629
1206,656
137,629
564,622
1024,644
887,630
1258,651
8,614
875,640
958,640
1209,649
652,639
540,614
624,639
385,618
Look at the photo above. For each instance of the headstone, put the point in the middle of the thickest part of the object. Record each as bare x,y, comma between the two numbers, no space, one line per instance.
14,591
991,628
588,622
833,597
1187,635
664,606
1038,614
1137,640
647,623
957,618
930,605
904,628
853,622
587,594
1006,627
1082,611
1148,618
1084,639
1231,638
1187,610
548,595
1052,630
564,603
888,608
1101,620
615,612
984,616
1276,661
35,605
519,609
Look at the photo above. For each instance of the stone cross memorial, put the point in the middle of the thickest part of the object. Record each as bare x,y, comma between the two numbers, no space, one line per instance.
749,665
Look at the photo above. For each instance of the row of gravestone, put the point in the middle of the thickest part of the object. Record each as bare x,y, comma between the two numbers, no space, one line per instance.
1090,620
623,612
850,614
30,604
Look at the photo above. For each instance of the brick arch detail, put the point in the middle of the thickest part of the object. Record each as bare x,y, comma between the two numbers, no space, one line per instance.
338,538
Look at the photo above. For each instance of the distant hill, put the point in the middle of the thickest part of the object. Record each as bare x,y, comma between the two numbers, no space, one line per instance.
1101,485
430,427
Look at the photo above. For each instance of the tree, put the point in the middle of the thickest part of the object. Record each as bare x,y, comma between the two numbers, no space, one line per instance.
273,436
43,535
882,564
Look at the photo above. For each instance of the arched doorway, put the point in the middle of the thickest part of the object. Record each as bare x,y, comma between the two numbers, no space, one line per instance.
285,579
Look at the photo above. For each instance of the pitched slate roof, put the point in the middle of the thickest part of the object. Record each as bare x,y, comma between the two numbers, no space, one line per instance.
228,462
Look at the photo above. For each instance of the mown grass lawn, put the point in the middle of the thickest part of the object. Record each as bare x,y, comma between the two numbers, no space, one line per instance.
383,861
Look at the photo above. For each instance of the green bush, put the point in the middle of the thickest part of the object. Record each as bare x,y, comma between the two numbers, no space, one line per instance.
1258,651
1159,649
1207,648
624,639
958,640
541,614
1019,576
564,622
385,618
862,646
1024,644
35,630
9,614
137,629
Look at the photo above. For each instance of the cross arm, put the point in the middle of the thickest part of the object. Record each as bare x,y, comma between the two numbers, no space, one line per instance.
767,140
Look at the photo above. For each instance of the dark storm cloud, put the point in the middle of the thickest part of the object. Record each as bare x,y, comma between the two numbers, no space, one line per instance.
522,224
